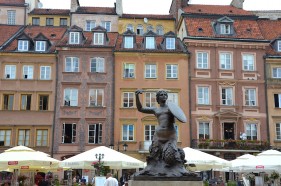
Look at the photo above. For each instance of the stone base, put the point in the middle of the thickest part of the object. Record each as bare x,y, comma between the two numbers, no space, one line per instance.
164,183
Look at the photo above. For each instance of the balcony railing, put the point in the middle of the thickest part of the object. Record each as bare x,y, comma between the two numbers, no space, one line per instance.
230,144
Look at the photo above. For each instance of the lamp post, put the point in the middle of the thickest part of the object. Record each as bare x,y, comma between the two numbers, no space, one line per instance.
125,146
99,157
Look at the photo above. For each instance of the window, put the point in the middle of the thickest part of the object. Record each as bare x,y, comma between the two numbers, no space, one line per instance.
149,42
278,131
10,71
149,132
8,101
74,38
97,64
40,46
203,96
129,42
63,21
96,97
11,17
23,137
170,43
128,132
45,72
250,97
49,21
25,102
140,30
128,99
22,45
172,71
98,38
106,25
204,130
279,46
69,133
202,60
43,102
225,61
276,72
159,30
95,133
150,71
129,70
42,137
225,28
5,137
71,97
173,97
130,27
227,98
27,72
90,25
149,28
36,21
251,131
248,62
71,64
277,100
150,99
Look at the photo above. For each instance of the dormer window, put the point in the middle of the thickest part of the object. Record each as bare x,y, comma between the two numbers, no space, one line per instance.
128,42
23,45
225,28
98,38
149,43
279,46
170,43
40,46
74,38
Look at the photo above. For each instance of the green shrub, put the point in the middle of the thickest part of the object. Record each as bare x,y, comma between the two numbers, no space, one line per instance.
231,183
205,183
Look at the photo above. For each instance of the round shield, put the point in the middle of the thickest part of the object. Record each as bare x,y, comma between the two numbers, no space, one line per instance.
177,112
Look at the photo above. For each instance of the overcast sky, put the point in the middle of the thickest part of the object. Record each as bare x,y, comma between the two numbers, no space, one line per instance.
159,6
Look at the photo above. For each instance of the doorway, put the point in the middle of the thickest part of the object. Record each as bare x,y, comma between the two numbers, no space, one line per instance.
228,130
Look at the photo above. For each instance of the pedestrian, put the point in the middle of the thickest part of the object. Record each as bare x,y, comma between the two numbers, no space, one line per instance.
110,181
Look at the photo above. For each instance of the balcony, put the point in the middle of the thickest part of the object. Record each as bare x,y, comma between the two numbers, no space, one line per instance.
254,145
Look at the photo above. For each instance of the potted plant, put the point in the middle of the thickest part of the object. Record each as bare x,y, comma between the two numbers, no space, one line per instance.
21,179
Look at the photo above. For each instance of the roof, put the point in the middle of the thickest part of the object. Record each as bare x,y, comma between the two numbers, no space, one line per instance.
149,16
12,2
42,11
7,31
96,10
227,10
53,34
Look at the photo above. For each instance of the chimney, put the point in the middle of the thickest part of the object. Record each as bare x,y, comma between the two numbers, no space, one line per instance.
184,3
74,5
237,3
119,7
176,7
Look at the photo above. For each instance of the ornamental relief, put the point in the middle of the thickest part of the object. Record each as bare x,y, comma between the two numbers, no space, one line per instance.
95,113
72,77
227,83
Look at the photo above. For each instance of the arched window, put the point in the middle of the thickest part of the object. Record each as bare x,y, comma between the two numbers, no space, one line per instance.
140,30
130,27
149,27
159,30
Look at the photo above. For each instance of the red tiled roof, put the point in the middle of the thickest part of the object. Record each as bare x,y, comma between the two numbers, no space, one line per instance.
216,10
96,10
42,11
271,29
149,16
7,31
54,34
244,29
12,2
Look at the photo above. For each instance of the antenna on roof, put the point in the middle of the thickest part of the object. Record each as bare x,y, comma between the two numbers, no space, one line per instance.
145,20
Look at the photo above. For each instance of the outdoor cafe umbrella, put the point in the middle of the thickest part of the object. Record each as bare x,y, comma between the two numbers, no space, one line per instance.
111,158
200,161
238,162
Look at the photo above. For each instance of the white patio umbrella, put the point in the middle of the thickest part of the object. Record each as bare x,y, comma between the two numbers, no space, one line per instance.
21,157
200,161
237,163
111,158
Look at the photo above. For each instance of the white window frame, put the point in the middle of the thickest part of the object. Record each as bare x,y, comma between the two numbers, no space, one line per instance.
45,72
204,129
250,97
23,137
71,64
106,25
23,45
74,37
71,97
40,46
227,96
173,97
90,24
159,30
150,42
129,42
11,15
128,132
149,131
278,131
203,95
98,38
279,46
129,70
225,28
170,43
149,28
225,61
10,71
130,27
171,71
94,97
279,101
150,71
5,135
252,131
27,71
42,140
140,30
248,62
202,60
150,99
73,132
276,72
96,130
97,64
128,100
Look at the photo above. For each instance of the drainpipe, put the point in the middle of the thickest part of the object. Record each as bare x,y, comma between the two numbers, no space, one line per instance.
266,101
189,98
113,99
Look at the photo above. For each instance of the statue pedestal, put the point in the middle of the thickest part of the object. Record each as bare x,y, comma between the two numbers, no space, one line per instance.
164,183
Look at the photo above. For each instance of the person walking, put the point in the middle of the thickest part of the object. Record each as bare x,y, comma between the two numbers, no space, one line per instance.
110,181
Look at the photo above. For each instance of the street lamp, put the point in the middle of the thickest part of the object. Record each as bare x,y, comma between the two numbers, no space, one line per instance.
99,156
125,146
